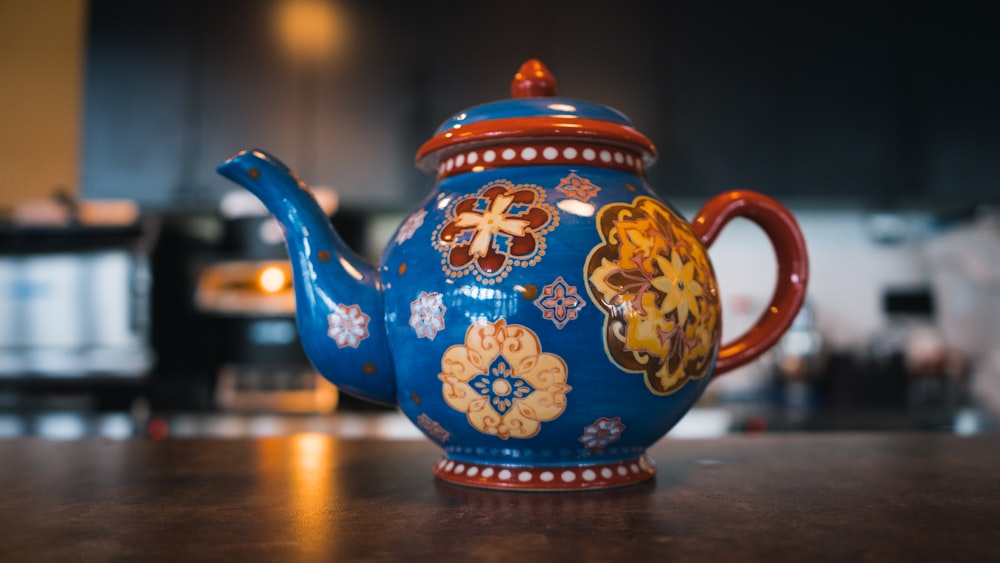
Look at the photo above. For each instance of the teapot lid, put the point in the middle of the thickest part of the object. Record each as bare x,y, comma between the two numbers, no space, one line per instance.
534,112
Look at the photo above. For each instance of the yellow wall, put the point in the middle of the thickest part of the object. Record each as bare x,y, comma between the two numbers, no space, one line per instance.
41,97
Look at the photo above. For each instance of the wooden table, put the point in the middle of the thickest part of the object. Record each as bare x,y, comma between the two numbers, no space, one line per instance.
789,497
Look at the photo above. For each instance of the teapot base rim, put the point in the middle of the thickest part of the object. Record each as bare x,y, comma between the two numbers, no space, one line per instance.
567,477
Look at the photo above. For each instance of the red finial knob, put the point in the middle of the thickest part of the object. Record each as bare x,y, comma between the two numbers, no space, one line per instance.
533,80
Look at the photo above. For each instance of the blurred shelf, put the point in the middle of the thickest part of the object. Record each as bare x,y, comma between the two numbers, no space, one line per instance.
700,423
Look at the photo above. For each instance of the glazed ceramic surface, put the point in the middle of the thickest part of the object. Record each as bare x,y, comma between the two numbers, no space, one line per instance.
543,316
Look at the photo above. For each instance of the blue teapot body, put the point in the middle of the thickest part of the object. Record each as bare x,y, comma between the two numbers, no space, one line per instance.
542,316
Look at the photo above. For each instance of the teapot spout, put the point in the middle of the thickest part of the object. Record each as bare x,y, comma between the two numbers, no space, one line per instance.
338,296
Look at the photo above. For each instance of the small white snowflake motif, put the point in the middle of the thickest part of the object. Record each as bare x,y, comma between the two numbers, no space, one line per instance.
427,315
410,226
602,432
348,325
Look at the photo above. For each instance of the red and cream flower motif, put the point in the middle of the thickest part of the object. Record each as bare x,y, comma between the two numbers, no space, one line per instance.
502,226
652,279
348,325
503,381
577,187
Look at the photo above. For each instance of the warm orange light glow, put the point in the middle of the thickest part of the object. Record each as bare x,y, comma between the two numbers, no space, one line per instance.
312,454
313,489
311,29
272,279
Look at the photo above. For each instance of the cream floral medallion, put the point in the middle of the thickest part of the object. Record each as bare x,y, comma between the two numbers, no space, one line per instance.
654,282
503,381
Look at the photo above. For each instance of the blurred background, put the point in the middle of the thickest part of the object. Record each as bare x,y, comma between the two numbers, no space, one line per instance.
142,294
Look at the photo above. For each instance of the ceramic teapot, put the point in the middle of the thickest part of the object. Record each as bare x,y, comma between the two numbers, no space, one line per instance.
542,316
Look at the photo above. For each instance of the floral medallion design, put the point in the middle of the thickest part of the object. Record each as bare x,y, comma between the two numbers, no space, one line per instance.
348,325
577,187
432,428
410,226
503,381
602,432
489,233
427,314
559,302
652,279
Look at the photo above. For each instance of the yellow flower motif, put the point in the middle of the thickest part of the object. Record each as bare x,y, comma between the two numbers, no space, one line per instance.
678,283
703,342
639,244
651,277
503,381
648,333
601,280
668,378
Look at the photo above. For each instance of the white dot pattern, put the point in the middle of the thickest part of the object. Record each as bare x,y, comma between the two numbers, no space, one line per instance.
545,478
557,153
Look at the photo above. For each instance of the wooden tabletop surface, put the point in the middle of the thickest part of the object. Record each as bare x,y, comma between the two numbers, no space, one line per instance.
781,497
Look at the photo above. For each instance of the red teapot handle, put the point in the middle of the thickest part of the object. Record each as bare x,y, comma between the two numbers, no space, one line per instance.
793,268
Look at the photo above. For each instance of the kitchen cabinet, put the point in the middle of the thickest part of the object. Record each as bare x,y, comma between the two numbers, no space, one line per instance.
856,101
